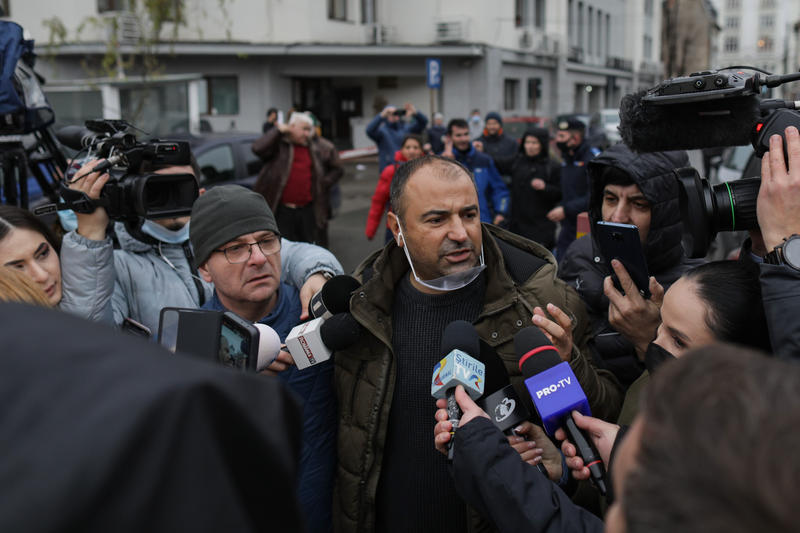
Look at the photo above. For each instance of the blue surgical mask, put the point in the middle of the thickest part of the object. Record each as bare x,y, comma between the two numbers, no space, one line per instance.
160,233
68,220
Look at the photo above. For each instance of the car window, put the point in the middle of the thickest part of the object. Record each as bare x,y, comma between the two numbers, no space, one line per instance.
217,164
251,160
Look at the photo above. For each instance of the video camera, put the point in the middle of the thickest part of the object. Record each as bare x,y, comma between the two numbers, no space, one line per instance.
705,110
129,193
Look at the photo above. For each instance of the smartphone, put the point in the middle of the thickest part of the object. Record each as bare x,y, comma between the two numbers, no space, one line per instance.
238,343
192,331
621,242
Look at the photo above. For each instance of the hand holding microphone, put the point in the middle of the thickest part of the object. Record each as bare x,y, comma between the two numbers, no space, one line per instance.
443,431
602,435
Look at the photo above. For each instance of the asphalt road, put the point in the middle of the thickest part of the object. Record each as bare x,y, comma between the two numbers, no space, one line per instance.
346,230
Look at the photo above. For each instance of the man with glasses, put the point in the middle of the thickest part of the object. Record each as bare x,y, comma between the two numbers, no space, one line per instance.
237,247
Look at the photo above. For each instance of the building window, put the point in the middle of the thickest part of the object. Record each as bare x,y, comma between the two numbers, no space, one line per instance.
767,21
765,44
570,22
599,33
735,4
767,3
534,93
648,8
222,95
4,8
369,14
538,14
112,5
510,90
647,51
731,44
521,13
580,25
732,22
337,9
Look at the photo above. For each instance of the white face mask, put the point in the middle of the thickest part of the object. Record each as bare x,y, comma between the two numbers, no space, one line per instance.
450,282
168,236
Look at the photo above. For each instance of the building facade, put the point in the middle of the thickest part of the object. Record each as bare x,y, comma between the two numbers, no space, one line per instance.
222,64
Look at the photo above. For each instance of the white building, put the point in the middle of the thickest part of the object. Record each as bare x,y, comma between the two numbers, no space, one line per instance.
760,33
230,60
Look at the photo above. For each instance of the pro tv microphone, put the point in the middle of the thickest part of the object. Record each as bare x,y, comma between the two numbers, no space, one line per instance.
555,392
461,345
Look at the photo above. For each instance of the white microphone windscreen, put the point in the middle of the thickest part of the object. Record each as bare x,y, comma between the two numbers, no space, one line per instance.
269,345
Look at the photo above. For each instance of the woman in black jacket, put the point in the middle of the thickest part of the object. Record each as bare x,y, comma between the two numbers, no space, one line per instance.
535,187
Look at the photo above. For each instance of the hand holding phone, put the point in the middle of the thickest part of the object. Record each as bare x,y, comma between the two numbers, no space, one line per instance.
621,242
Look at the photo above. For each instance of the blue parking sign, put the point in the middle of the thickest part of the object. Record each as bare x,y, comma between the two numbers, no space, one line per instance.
434,70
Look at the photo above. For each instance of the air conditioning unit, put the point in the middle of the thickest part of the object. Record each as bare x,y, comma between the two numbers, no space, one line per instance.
450,31
380,33
525,39
547,44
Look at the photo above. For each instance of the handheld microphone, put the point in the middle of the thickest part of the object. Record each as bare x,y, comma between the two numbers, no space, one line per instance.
269,346
646,127
314,341
460,343
555,392
501,401
333,297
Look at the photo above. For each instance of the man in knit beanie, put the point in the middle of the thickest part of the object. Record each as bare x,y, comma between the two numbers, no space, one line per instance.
237,246
493,141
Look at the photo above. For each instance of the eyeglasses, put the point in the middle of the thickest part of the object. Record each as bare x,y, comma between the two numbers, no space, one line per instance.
240,253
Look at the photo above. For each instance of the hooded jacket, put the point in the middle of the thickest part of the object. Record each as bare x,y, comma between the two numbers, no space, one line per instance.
144,280
380,198
365,372
584,268
529,206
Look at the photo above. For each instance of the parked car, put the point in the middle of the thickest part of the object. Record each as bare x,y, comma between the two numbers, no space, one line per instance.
224,157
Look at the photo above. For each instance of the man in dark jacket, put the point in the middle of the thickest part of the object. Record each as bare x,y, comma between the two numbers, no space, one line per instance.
638,189
299,170
576,153
434,136
494,142
443,265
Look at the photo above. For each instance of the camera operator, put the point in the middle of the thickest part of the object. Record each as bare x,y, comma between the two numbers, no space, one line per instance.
154,267
778,211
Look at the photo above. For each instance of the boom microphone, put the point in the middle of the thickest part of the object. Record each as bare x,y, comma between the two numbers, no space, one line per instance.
460,344
649,127
75,137
555,392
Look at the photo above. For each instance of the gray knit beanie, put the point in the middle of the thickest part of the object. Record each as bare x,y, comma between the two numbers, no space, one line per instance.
224,213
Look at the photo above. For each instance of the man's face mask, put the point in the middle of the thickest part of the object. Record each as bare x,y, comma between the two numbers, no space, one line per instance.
168,236
449,282
655,356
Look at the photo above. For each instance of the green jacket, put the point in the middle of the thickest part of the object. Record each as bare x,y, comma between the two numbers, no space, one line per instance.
365,372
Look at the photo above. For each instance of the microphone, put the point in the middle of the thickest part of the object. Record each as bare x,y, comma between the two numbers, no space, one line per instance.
651,127
314,341
269,345
460,343
75,137
501,402
555,392
333,297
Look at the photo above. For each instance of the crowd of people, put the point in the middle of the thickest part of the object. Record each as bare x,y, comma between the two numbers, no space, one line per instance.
680,379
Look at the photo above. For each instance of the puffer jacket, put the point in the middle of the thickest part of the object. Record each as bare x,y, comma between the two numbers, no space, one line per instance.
380,198
277,152
584,268
388,136
520,275
493,195
87,277
146,283
498,146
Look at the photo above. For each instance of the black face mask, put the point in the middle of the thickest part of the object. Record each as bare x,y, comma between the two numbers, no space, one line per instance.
655,356
563,147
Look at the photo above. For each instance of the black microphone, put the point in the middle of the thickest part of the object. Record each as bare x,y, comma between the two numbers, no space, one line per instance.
649,127
75,137
333,297
555,392
500,400
340,331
